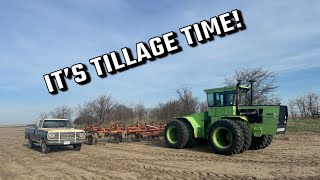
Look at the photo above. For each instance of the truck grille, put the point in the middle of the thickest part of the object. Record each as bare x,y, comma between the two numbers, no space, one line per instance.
67,135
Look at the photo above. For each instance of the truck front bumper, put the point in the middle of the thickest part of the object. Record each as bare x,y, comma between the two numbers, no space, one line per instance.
64,142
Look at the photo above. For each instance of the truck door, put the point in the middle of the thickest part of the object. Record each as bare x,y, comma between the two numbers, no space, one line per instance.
37,133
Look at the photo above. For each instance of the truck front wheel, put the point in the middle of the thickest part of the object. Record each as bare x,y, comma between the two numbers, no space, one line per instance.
30,143
44,147
77,147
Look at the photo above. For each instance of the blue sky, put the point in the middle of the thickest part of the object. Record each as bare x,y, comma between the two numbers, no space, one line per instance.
39,37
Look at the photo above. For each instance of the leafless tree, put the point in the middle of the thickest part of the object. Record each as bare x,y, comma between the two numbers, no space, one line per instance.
307,105
98,110
43,116
293,108
140,111
122,113
263,87
203,106
187,102
62,112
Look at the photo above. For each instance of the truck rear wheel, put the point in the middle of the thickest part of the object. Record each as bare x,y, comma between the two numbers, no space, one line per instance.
44,147
226,137
246,134
176,134
260,142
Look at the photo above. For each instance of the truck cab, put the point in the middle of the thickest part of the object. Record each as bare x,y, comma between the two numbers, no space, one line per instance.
54,132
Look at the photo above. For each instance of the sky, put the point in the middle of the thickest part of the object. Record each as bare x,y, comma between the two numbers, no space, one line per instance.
40,37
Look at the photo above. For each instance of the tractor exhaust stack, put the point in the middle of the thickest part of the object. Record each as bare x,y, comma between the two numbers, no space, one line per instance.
251,91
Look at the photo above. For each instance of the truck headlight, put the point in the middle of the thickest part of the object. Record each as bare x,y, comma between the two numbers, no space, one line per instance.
51,135
81,135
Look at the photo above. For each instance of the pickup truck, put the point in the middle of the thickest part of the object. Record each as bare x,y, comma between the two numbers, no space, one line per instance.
54,132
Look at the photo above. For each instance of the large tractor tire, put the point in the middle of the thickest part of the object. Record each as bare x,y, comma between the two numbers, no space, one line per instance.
260,142
176,134
191,141
246,134
226,137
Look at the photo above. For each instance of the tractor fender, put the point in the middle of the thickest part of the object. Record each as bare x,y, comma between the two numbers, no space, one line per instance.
196,121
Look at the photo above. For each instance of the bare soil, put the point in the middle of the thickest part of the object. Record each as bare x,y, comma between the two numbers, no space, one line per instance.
290,156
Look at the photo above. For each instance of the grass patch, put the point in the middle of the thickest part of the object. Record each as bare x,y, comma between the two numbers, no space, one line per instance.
303,125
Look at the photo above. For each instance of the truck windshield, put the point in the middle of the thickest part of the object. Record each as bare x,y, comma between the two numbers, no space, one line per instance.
56,124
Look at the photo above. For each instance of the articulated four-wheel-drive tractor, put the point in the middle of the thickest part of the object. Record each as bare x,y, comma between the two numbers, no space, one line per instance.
232,123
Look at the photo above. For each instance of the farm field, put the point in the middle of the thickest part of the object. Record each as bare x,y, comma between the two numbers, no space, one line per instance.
294,155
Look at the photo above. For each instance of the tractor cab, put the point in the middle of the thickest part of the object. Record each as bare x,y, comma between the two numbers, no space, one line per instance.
225,101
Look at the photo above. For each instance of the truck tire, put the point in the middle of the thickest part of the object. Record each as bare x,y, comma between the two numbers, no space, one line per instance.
30,143
260,142
77,147
246,134
176,134
226,137
44,147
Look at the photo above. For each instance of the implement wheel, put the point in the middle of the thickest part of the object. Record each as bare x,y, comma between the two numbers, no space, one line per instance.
176,134
226,137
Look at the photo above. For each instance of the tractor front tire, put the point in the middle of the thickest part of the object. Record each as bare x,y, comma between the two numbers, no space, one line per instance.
226,137
247,136
260,142
176,134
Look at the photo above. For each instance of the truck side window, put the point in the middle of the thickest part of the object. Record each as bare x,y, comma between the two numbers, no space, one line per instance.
40,124
210,100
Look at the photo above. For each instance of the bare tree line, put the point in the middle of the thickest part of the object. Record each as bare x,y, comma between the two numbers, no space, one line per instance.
306,106
106,109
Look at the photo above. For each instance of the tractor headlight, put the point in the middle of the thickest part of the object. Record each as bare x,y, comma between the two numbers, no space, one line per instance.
51,135
81,135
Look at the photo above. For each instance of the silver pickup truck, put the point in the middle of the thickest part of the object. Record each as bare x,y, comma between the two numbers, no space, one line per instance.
54,132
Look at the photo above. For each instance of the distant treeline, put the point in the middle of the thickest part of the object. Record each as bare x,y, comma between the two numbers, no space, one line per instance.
106,109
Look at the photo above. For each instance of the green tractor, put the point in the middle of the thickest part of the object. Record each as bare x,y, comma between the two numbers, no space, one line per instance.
232,123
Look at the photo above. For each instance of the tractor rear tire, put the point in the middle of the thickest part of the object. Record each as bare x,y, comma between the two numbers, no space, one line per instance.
260,142
176,134
226,137
191,141
247,136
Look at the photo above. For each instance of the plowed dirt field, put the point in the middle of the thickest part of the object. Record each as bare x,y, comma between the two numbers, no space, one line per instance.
290,156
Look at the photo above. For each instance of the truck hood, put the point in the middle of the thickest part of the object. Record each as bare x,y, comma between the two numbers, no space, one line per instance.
62,130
